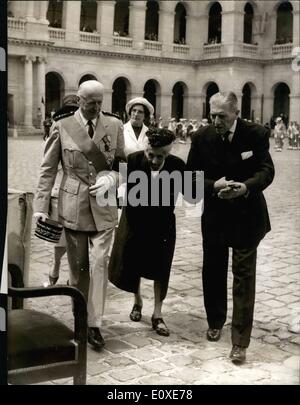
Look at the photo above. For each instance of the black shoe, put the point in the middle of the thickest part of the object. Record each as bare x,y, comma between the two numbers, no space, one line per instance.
159,326
95,338
213,335
238,354
52,280
136,313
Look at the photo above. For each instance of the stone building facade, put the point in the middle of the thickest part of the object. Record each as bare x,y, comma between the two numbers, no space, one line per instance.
175,53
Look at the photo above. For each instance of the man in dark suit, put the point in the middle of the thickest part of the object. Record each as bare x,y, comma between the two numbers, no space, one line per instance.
234,156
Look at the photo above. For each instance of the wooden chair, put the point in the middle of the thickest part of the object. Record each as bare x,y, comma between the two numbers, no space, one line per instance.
39,346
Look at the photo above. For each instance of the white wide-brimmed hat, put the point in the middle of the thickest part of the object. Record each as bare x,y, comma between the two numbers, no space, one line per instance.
139,100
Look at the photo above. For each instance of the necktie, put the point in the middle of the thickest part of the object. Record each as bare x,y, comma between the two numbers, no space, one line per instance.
226,136
90,129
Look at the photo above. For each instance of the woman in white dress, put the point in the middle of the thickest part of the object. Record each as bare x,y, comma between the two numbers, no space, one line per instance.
139,111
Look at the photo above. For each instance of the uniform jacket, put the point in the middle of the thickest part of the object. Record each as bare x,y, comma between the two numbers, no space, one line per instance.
132,144
77,209
243,221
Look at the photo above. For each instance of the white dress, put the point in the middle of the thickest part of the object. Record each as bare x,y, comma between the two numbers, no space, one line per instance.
132,144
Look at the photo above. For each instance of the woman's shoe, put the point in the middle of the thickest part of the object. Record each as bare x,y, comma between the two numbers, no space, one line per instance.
136,313
52,280
159,326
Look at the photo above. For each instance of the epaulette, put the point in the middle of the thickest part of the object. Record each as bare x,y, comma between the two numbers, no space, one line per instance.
64,115
111,114
64,112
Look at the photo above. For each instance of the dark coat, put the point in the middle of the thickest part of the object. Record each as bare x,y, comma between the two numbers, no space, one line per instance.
145,240
241,222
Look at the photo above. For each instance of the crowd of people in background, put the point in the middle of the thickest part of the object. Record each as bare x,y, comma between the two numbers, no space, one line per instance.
279,128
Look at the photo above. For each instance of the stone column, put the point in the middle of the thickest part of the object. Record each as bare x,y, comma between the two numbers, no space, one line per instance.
296,24
107,100
43,11
28,90
71,19
137,19
196,24
29,13
106,14
193,106
41,84
268,108
166,27
166,106
232,28
294,108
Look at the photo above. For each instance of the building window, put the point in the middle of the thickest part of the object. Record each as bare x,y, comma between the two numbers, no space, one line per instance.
284,24
246,102
212,88
152,17
88,16
248,23
215,24
121,18
180,25
179,94
54,13
282,102
121,90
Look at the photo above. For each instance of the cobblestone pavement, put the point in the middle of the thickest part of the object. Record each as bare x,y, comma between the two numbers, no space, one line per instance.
134,353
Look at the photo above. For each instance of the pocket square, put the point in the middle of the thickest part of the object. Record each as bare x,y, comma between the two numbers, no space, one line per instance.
246,155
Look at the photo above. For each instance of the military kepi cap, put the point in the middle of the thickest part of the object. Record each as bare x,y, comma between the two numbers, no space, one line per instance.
48,230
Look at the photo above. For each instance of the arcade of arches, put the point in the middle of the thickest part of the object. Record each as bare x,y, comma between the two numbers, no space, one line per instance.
156,49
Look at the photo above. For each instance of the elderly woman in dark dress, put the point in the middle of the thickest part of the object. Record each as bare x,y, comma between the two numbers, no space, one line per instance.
145,240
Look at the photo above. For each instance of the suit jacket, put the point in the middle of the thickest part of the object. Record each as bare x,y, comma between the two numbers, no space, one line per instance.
243,221
77,209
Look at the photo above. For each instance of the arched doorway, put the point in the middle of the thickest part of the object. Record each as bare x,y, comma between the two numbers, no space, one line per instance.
178,95
284,23
151,90
248,23
88,16
86,78
121,18
282,101
55,90
121,89
246,102
152,18
54,13
212,88
180,24
215,24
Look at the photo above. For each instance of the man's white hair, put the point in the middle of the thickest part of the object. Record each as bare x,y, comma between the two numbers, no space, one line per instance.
90,87
228,98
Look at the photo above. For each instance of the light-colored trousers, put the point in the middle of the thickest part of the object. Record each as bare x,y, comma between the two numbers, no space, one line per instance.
88,256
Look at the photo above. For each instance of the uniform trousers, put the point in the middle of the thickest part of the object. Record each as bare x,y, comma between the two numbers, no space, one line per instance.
88,257
214,278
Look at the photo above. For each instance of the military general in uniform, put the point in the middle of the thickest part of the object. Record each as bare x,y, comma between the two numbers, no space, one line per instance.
87,144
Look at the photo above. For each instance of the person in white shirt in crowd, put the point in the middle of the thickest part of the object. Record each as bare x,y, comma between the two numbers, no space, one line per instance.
139,111
279,134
